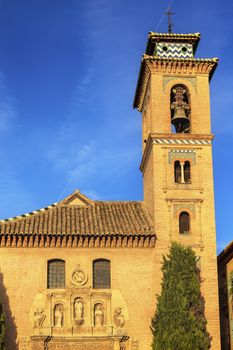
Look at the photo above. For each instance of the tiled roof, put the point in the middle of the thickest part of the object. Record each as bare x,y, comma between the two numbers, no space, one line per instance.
226,255
176,35
95,219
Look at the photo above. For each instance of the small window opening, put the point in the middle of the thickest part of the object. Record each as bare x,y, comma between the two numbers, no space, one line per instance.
56,274
184,223
187,173
182,172
177,171
101,274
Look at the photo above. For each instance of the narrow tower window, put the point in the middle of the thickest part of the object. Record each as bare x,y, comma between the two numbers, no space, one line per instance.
101,274
56,274
180,109
184,223
187,172
177,171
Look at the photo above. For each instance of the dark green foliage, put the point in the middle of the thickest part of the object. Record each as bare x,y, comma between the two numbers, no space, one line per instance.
2,329
179,322
231,284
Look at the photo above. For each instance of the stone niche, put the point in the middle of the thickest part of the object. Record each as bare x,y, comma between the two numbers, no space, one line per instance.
77,318
82,312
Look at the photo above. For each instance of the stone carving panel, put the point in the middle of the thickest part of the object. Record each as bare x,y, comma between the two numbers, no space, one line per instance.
184,154
119,319
183,206
76,312
79,277
39,317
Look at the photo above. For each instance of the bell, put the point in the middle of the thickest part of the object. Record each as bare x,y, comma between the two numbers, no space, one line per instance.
181,123
179,113
179,110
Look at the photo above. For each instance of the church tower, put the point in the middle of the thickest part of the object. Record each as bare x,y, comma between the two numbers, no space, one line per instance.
173,96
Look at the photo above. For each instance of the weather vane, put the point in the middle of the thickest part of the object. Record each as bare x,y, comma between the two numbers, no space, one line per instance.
169,13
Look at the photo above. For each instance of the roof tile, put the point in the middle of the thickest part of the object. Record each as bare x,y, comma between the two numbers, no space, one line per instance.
100,218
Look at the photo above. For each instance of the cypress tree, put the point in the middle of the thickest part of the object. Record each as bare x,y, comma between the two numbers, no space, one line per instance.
179,322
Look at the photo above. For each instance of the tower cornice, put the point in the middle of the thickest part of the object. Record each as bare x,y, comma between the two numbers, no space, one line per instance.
181,66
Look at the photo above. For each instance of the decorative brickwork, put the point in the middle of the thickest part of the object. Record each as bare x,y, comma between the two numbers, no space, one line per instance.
168,78
184,154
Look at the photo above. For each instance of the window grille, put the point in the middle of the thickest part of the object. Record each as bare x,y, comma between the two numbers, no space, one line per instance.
184,223
56,274
101,274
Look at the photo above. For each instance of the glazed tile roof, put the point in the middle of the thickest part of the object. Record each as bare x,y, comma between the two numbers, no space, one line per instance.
96,218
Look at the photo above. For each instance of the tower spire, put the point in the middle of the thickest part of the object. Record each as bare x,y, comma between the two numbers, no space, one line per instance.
169,13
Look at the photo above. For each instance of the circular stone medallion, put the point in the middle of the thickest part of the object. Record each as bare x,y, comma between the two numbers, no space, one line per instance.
79,277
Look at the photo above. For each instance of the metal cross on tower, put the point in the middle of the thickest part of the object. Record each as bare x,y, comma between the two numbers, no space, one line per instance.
169,13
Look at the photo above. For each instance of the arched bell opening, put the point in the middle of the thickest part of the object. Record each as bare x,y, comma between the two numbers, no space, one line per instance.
180,109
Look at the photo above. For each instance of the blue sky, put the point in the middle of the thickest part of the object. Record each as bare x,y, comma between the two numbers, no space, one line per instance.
68,71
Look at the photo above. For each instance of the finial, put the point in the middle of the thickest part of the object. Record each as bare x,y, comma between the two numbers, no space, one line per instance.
169,13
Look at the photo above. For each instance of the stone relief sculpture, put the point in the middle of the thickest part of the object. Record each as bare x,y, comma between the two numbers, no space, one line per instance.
39,317
119,319
79,277
78,311
58,315
98,315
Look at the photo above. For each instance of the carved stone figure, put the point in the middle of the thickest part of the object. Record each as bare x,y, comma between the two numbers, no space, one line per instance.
58,315
39,317
78,311
98,315
119,319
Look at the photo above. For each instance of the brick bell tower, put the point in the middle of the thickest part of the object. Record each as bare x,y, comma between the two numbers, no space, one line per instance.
173,96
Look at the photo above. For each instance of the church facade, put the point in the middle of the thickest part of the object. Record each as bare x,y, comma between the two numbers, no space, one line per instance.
83,274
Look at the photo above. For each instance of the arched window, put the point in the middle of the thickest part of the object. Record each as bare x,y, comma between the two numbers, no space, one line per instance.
101,274
177,171
180,109
187,172
56,274
184,223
